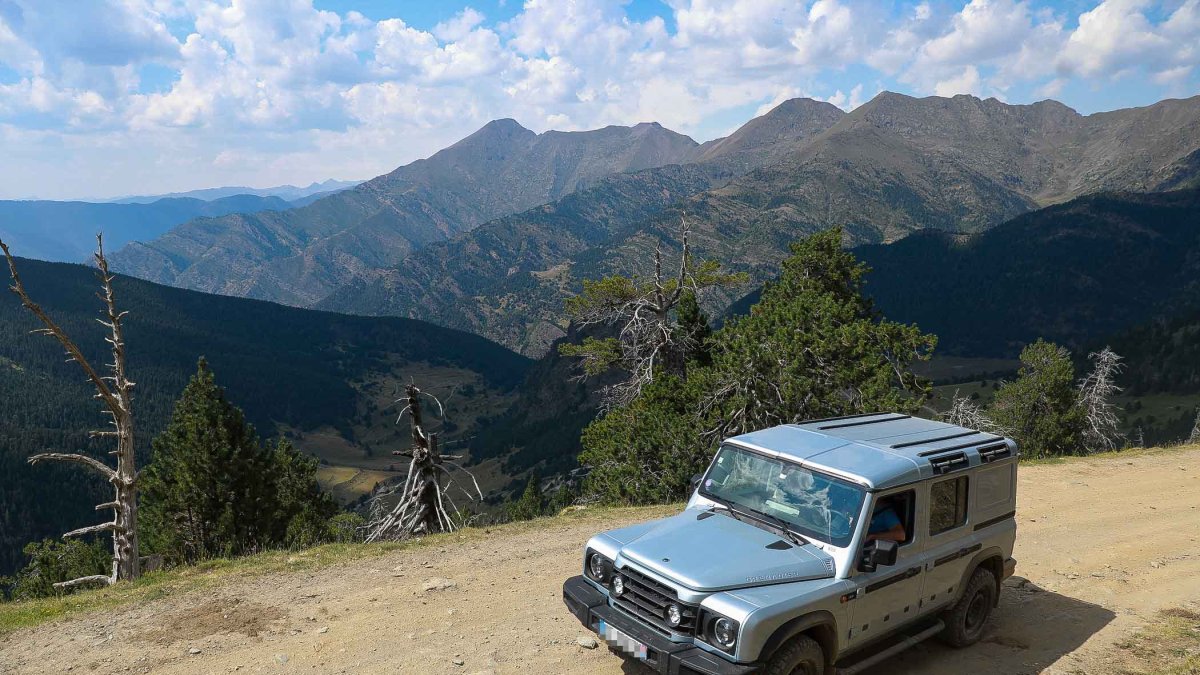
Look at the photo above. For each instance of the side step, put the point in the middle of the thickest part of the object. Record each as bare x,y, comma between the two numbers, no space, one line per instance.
893,650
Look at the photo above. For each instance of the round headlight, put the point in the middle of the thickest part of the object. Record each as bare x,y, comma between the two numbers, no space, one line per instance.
725,632
596,566
674,616
618,585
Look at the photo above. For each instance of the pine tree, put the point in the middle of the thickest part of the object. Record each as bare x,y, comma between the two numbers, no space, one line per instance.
812,347
212,489
693,329
1040,408
532,503
302,511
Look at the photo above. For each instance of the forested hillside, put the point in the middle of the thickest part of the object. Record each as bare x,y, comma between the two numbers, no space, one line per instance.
288,368
1074,274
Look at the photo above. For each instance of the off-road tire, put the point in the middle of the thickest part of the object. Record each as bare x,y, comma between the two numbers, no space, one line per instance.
799,656
966,619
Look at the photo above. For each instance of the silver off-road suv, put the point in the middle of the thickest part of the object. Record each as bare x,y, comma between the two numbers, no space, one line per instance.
834,542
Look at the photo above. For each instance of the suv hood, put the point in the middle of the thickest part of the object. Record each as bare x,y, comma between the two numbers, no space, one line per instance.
712,551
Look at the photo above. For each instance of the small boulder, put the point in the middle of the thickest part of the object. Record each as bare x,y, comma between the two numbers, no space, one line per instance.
587,642
438,584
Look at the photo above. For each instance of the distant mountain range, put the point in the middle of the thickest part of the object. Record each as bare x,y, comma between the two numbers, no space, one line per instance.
893,166
300,256
326,380
66,231
288,193
491,234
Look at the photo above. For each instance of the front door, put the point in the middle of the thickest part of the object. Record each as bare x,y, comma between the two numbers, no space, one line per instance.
890,595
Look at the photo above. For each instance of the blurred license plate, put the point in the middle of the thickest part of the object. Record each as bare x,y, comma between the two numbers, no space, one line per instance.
615,637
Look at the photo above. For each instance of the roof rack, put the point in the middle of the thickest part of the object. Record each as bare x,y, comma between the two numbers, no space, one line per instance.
844,417
864,422
936,439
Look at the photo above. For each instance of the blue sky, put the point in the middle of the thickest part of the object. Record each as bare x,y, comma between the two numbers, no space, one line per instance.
109,97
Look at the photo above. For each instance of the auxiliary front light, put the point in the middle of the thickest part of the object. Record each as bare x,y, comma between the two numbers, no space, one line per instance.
674,615
618,585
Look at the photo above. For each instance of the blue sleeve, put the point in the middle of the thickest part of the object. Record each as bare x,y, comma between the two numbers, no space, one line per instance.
884,521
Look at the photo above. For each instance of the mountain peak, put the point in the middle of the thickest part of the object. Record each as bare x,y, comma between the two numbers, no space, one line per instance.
776,132
506,126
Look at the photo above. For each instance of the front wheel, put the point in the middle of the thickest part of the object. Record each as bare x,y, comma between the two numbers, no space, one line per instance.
965,621
799,656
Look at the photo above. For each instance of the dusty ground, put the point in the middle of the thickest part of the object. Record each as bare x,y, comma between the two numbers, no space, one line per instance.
1103,545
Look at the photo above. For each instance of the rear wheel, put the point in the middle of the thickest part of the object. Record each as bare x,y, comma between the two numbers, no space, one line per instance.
965,621
799,656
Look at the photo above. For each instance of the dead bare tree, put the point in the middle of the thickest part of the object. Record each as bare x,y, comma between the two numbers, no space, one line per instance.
964,413
1102,425
1194,437
423,498
115,393
648,341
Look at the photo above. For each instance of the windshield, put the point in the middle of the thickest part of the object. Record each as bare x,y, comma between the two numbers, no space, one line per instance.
813,504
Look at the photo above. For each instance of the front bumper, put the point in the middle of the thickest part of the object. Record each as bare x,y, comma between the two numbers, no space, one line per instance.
590,606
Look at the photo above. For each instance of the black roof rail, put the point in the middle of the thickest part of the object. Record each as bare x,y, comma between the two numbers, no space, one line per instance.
935,439
962,446
844,417
863,422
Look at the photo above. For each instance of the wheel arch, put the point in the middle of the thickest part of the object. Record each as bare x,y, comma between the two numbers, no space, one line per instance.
820,625
990,559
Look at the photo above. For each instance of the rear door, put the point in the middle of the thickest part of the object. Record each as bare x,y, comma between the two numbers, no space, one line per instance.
950,545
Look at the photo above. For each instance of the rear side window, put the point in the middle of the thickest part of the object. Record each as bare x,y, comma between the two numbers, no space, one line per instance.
947,505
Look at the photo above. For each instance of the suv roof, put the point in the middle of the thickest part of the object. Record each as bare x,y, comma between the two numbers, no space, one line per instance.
880,450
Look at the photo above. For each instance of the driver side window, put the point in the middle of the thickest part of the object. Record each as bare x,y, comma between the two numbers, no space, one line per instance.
893,517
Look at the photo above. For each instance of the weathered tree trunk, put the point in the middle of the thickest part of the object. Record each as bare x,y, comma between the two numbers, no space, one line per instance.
423,499
115,392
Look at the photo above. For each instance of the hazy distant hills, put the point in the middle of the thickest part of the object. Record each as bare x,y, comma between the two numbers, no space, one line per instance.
328,380
288,193
893,166
66,231
300,256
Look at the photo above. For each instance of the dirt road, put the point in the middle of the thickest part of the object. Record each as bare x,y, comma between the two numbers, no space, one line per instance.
1102,545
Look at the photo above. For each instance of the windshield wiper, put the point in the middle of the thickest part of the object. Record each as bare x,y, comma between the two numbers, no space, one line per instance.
783,527
725,504
776,521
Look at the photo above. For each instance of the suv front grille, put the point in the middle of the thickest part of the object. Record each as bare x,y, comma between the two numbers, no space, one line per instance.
647,600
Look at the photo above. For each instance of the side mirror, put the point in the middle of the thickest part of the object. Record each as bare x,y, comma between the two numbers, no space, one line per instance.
696,481
878,552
